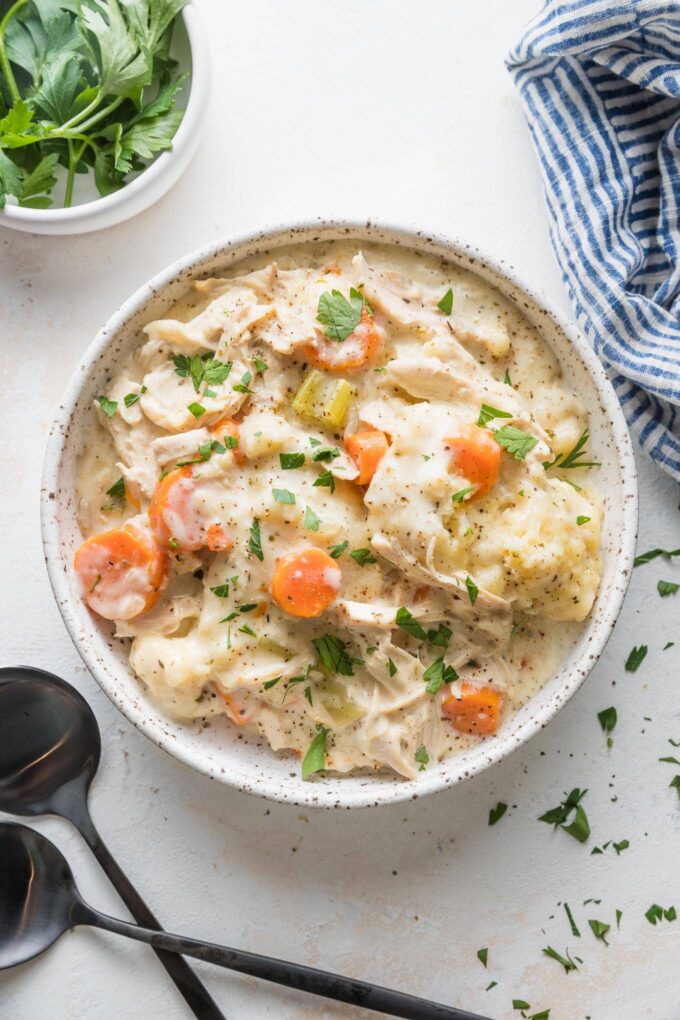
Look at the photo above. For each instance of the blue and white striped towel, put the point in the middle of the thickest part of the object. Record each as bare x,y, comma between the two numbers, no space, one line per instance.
600,83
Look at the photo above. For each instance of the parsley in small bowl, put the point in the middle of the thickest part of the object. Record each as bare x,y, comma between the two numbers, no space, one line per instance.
101,102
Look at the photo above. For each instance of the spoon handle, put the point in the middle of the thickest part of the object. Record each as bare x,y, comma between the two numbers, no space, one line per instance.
293,975
193,991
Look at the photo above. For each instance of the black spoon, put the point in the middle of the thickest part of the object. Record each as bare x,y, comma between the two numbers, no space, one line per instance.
39,901
49,752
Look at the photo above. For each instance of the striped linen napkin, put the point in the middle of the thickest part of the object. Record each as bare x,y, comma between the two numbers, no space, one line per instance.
600,84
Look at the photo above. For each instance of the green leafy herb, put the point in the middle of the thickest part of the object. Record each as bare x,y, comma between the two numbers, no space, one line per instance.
483,956
284,496
109,407
520,1004
221,590
196,409
566,961
245,629
506,378
622,845
130,398
312,520
656,914
363,556
315,758
608,719
573,459
578,827
463,494
582,520
488,412
619,915
647,557
472,589
255,540
244,385
543,1015
392,669
325,481
117,490
407,621
291,460
666,588
437,674
325,452
515,441
675,782
260,366
446,303
440,636
635,658
599,930
173,542
332,652
340,316
422,757
336,551
572,923
496,813
268,684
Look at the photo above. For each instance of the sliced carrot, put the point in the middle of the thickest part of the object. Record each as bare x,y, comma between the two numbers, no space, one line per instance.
228,427
177,519
121,572
476,455
361,348
367,449
477,711
217,539
305,583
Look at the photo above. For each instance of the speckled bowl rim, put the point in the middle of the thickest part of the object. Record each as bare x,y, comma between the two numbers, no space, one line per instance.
329,790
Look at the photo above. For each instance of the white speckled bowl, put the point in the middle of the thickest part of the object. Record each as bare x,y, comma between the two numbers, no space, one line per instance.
220,751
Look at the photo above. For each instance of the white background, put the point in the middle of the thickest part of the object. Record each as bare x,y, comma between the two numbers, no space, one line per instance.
400,111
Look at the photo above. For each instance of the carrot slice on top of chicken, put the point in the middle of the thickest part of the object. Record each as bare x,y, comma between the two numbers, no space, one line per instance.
121,572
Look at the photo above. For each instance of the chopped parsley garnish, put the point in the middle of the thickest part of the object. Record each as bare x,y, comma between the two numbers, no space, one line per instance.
325,481
657,913
245,629
109,407
446,303
284,496
566,961
675,782
515,441
572,923
392,669
268,684
635,658
599,930
230,442
440,636
244,385
573,459
666,588
201,368
463,494
437,674
325,453
255,540
608,718
196,409
422,757
315,758
336,551
260,366
483,956
332,652
506,378
247,607
312,520
291,460
578,827
340,316
520,1004
653,554
496,813
472,589
173,543
407,621
117,490
130,398
221,590
582,520
487,413
363,556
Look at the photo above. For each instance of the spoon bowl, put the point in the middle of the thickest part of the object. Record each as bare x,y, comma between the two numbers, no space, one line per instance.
49,743
37,894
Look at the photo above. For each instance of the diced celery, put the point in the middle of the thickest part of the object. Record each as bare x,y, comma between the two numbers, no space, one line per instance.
323,400
334,699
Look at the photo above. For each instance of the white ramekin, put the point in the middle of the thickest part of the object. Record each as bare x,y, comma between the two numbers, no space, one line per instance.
242,760
153,182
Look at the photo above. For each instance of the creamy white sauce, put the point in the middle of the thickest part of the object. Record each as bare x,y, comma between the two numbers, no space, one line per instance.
536,568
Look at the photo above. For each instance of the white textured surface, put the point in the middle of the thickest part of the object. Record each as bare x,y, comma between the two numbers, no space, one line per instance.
405,113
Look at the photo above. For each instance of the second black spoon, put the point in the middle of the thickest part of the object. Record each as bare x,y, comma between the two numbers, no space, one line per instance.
49,753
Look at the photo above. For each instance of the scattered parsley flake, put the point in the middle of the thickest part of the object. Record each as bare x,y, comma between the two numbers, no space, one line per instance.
196,409
130,398
463,494
363,556
635,658
572,923
255,540
566,961
487,413
325,453
558,817
472,589
506,378
515,441
340,316
291,460
336,551
312,520
392,669
573,459
496,813
221,590
422,757
268,684
109,407
117,490
407,621
260,366
445,305
284,496
582,520
647,557
483,956
666,588
315,758
599,930
440,636
437,675
332,652
325,481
